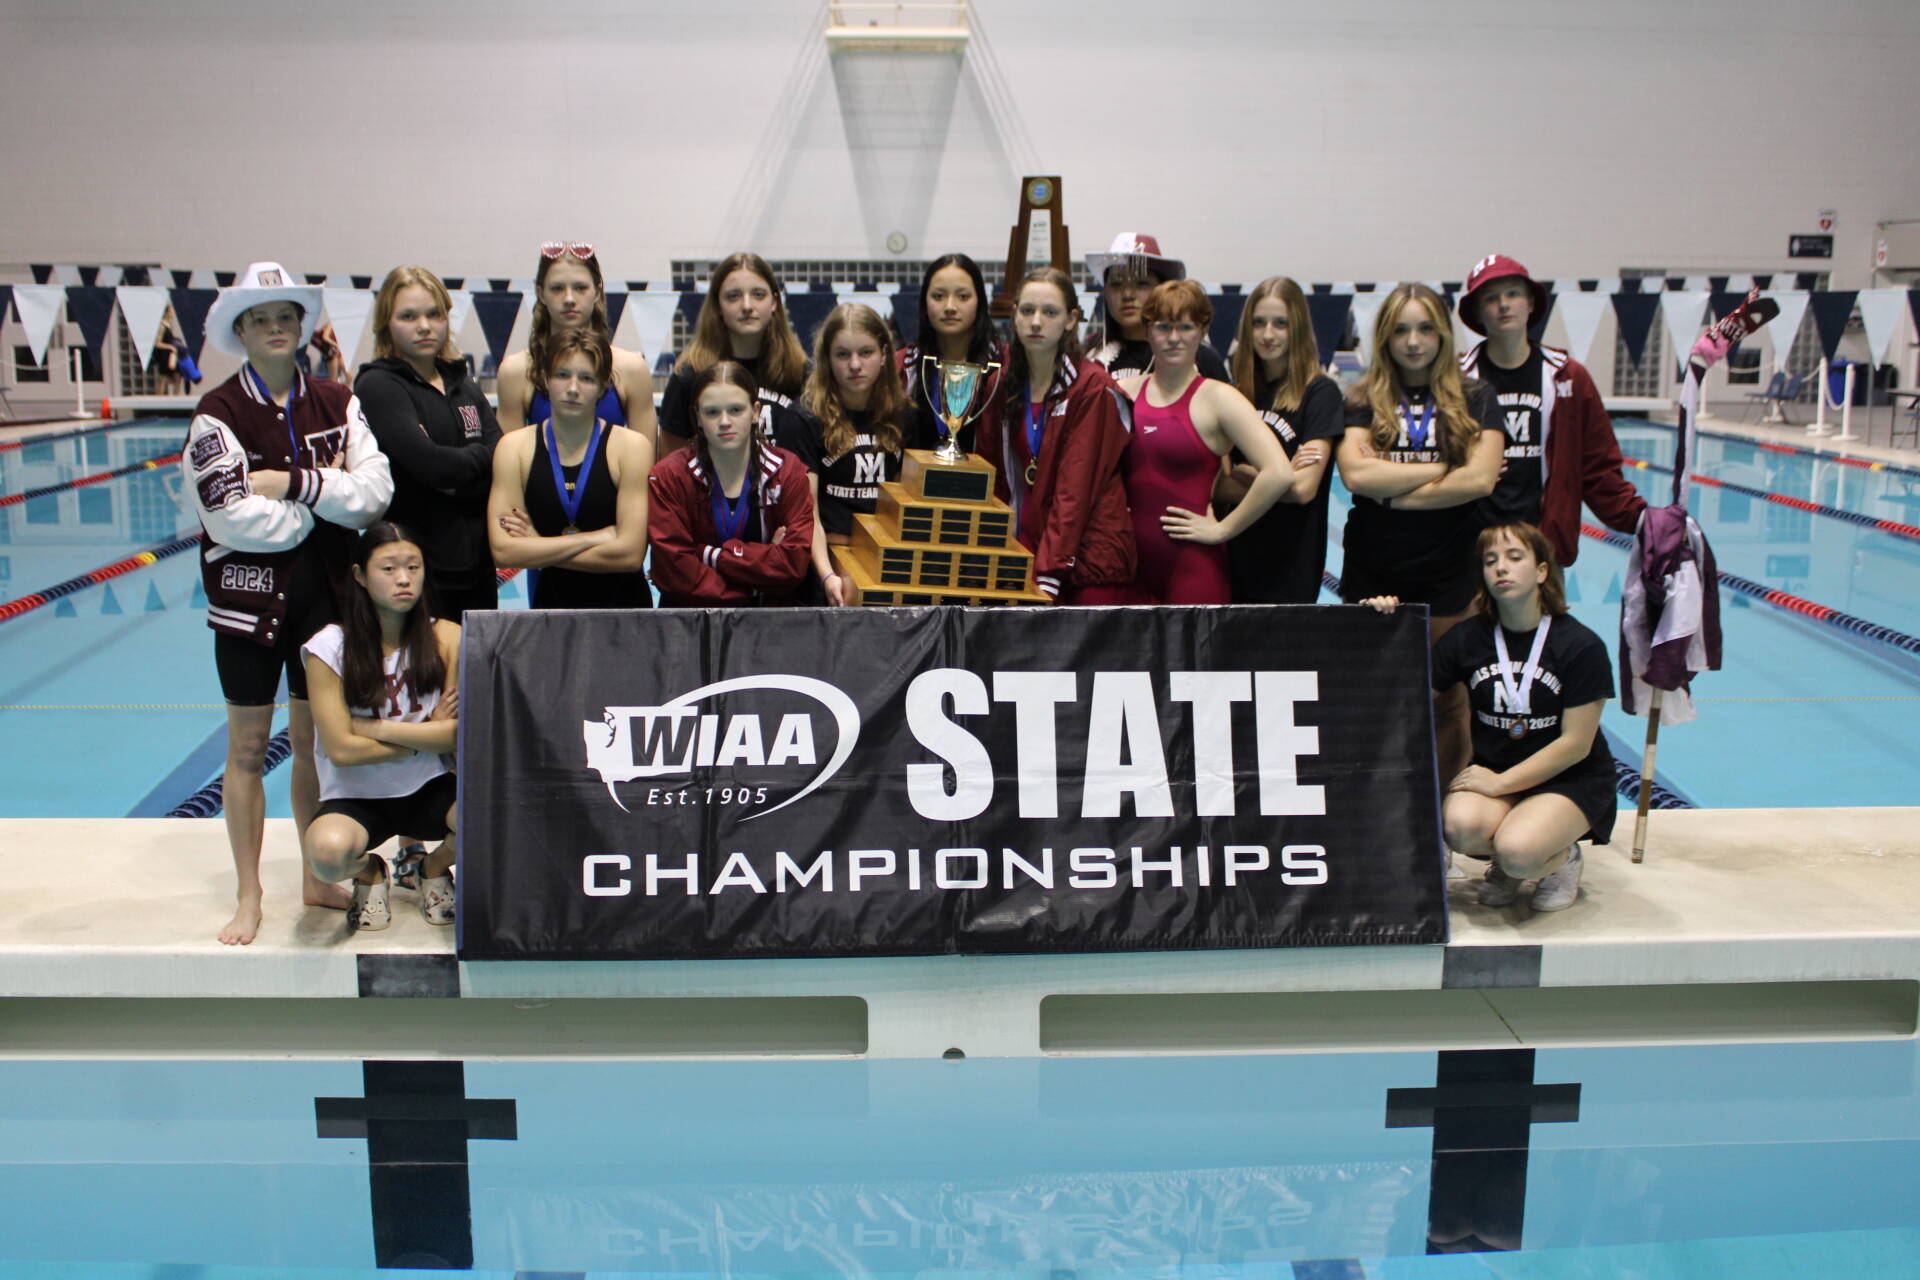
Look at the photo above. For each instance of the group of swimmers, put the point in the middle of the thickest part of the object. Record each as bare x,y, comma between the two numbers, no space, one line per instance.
348,530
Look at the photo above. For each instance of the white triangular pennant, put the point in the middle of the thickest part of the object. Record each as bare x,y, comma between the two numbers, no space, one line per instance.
1580,316
203,278
1365,307
144,308
348,310
1880,311
1785,327
459,311
39,307
66,274
108,277
624,334
651,317
1698,284
1684,312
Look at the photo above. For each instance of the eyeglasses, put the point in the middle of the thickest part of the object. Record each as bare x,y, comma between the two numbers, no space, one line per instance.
557,248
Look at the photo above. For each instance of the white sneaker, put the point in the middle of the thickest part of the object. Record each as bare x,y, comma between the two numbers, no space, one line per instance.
369,911
1499,889
1557,891
436,898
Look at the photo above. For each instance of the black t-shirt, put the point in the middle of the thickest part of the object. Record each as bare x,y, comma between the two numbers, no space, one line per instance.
1424,557
1135,356
676,403
1574,671
1517,496
849,482
1279,558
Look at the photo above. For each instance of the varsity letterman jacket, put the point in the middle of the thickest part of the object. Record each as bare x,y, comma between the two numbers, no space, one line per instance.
691,565
1075,520
337,480
1580,454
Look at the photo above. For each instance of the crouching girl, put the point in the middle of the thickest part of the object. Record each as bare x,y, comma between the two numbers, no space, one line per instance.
383,683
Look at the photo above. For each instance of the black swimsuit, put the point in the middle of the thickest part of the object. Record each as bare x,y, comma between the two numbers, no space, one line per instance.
561,588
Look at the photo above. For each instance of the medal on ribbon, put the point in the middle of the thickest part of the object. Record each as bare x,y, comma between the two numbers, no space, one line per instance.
1417,432
1519,689
1036,435
570,494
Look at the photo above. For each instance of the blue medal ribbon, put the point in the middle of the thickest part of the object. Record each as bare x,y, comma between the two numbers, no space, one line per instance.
730,514
1036,435
293,393
1417,433
572,495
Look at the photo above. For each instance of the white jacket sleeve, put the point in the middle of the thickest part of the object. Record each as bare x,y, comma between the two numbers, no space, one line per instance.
356,494
233,515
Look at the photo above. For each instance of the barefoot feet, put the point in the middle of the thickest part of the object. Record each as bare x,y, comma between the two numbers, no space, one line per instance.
315,892
245,924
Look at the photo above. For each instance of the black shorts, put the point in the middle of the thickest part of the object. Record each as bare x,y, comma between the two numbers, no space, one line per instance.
1591,793
250,672
422,815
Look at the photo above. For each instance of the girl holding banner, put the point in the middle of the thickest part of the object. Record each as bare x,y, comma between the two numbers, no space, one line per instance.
1276,365
570,294
1057,447
1421,446
743,318
731,519
1541,777
384,684
570,495
849,432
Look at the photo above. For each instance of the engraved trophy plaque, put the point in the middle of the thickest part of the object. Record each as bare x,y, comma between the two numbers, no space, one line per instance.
1039,238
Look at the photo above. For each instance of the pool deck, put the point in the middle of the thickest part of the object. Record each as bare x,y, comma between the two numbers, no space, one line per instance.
1741,925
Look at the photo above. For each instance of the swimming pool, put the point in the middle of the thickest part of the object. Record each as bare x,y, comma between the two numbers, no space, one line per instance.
1760,1161
112,707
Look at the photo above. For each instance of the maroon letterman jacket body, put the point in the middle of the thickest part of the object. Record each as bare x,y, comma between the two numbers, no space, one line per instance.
691,565
1581,452
337,479
1081,529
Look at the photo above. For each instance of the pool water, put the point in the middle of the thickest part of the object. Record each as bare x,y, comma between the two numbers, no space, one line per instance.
1180,1167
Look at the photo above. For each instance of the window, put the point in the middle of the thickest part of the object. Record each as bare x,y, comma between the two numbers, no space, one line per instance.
26,369
96,505
44,509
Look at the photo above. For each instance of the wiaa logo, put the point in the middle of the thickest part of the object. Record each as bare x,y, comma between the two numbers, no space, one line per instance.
676,737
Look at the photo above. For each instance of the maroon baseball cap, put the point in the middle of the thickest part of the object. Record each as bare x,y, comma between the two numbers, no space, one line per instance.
1497,266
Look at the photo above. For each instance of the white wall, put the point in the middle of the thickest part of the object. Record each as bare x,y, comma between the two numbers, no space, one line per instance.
1375,139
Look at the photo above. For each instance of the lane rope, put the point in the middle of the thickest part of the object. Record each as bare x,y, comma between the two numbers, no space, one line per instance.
1893,527
27,495
8,446
94,577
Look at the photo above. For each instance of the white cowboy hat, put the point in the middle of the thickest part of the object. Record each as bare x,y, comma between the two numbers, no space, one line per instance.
263,282
1139,249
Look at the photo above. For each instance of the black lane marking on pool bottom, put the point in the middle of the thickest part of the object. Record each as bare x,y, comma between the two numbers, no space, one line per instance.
1330,1269
1482,1109
1482,968
416,1120
408,976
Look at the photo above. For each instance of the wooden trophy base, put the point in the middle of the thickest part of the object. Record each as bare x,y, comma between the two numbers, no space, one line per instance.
937,536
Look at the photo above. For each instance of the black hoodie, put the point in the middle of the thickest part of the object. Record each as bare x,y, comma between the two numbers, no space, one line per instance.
440,448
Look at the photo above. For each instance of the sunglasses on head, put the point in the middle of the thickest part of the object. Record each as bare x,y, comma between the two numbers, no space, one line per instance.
557,248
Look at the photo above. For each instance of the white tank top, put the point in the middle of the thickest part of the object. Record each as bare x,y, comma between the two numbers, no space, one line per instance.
393,777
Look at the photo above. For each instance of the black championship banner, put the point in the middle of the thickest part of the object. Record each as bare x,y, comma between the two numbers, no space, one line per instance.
683,783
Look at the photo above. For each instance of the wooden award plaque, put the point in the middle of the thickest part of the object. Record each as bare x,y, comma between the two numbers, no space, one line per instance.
938,536
1039,237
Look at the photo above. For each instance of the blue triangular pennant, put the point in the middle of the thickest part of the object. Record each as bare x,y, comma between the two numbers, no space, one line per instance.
1226,319
1537,327
1329,312
197,598
690,303
616,303
65,609
510,589
1613,591
190,308
1634,312
92,309
109,602
1831,309
42,272
155,603
497,309
1572,583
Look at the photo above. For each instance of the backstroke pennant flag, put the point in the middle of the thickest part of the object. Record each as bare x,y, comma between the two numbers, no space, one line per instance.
39,308
651,317
1684,312
1580,316
1785,327
144,308
1880,313
348,310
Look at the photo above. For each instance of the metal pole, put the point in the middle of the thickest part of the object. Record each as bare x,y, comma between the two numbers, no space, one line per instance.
79,390
1646,778
1818,427
1846,406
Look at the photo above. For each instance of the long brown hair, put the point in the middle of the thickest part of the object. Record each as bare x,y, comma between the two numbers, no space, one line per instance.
1553,592
397,279
363,668
1380,387
783,361
725,373
1017,371
1303,349
540,335
822,394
